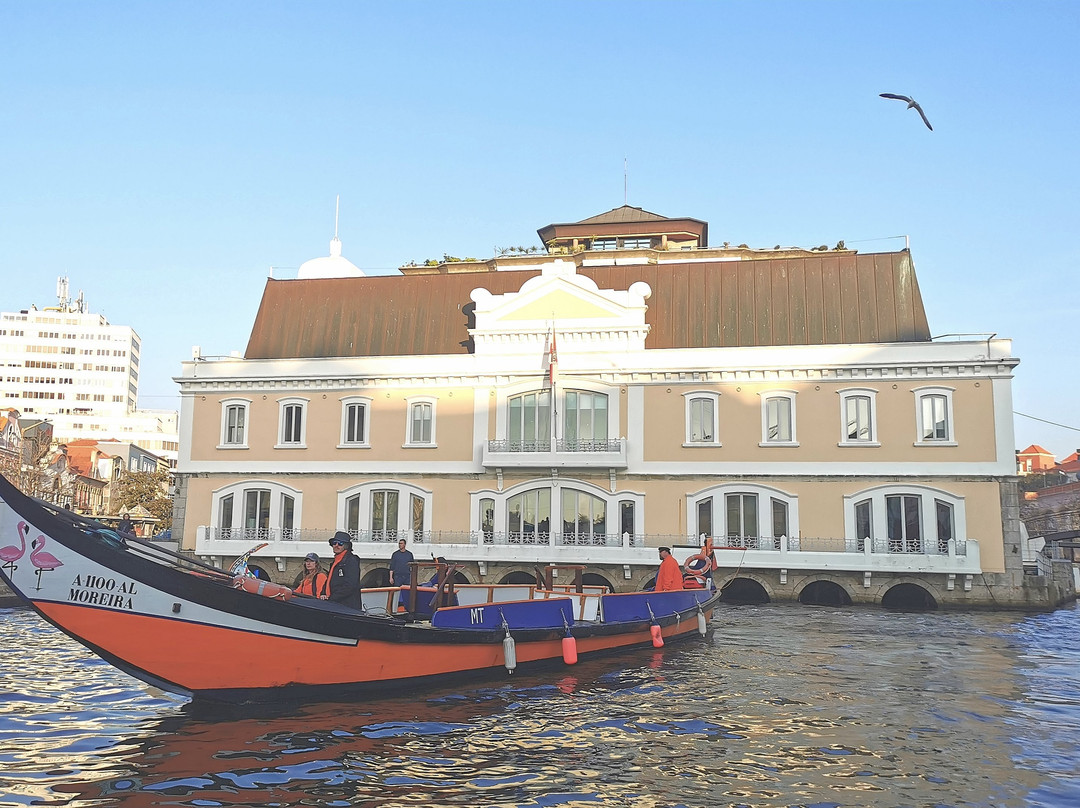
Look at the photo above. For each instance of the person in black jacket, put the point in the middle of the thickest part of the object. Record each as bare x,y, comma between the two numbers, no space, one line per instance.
343,582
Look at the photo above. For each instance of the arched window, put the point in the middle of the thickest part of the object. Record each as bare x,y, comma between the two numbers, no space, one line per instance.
385,511
256,510
743,515
904,519
529,422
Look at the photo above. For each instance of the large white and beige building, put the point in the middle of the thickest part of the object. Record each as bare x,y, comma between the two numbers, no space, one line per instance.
630,388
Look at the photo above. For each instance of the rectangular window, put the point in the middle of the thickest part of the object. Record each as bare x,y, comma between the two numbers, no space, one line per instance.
355,416
779,521
257,511
225,513
288,508
384,513
904,523
487,520
864,523
530,422
416,510
626,518
604,244
352,515
935,423
704,517
291,422
778,415
586,418
637,243
420,423
857,418
742,522
945,529
702,420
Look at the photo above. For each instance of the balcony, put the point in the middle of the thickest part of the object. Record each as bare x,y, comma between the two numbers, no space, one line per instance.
597,454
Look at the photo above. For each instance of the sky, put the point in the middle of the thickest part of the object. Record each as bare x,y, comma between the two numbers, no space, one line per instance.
164,156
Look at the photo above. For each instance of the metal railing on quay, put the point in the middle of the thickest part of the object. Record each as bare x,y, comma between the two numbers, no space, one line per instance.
540,538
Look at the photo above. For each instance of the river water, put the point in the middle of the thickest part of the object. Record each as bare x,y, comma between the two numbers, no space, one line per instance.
781,705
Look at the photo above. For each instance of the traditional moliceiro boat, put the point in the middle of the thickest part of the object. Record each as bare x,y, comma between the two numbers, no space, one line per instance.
201,631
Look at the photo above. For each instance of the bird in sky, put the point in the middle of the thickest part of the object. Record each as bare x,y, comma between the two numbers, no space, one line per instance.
911,104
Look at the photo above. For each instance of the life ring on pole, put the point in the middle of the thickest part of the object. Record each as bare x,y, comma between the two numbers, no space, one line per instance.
257,586
697,565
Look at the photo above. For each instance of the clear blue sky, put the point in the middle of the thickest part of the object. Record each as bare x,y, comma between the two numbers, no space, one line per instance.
165,155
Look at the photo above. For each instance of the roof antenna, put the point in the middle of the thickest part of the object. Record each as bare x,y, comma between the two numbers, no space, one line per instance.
335,242
624,182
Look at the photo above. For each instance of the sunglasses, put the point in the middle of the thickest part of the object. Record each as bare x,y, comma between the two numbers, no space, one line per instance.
338,543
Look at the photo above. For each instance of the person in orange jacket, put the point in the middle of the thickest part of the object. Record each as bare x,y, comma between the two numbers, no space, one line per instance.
669,576
311,579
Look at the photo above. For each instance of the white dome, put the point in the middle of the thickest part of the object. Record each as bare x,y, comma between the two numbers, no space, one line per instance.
331,266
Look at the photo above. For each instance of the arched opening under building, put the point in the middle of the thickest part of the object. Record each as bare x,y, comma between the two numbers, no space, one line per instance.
375,578
595,579
518,578
743,592
259,572
909,598
824,593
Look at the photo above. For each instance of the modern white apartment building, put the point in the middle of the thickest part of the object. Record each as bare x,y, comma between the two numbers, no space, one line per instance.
80,372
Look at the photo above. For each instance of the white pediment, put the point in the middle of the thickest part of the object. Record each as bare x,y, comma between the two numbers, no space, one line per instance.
584,317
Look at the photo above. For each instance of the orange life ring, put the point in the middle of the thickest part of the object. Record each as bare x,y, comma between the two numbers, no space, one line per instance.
257,586
698,571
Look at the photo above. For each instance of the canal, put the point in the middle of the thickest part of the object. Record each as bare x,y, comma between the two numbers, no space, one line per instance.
781,705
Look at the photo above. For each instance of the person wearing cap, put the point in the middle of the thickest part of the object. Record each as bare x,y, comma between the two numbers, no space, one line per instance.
312,577
669,576
343,581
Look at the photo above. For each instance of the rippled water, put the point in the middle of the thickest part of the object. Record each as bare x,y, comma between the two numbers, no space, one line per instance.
779,706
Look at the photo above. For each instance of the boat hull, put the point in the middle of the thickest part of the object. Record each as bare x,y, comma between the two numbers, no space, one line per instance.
192,632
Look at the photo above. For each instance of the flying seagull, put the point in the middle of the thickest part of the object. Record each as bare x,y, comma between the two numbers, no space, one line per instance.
911,104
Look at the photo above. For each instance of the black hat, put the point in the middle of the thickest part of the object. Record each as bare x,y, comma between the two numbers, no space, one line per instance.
342,537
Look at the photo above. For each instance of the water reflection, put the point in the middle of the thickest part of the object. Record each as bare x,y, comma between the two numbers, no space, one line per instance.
780,706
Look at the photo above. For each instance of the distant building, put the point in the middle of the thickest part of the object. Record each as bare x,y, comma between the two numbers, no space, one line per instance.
80,372
632,387
1034,459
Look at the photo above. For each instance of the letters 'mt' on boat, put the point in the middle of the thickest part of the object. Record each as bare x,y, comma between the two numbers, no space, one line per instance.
195,629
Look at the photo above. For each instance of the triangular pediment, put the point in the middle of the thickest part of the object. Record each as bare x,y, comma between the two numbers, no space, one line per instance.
561,301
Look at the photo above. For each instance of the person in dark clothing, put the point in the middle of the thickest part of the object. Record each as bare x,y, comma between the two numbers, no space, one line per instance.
126,526
400,571
343,582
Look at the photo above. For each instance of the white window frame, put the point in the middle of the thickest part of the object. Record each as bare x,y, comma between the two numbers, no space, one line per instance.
365,490
765,495
688,399
766,397
921,393
245,404
290,402
927,510
411,402
612,503
845,396
355,401
238,491
503,396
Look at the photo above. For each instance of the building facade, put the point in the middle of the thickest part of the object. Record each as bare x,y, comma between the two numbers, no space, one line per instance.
80,372
592,404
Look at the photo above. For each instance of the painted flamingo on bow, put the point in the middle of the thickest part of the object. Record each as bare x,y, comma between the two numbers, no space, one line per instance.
10,554
45,562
